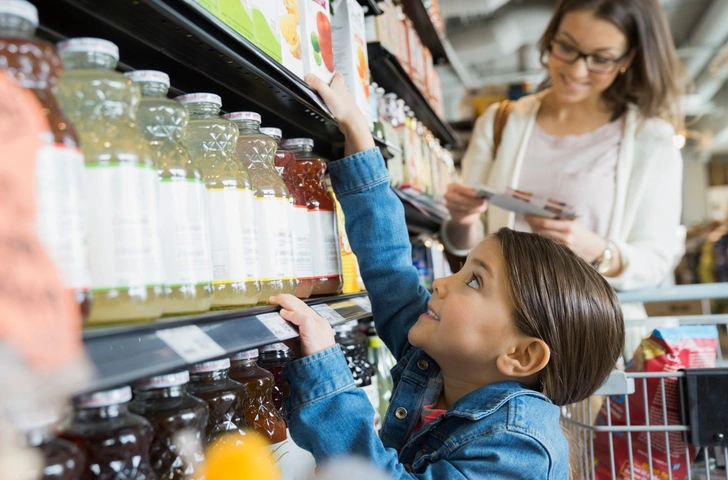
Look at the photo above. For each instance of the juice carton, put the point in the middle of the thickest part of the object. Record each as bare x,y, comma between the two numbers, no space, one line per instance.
237,15
350,51
289,24
318,52
211,6
266,33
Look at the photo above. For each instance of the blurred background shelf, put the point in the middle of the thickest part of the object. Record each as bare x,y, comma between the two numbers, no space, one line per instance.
417,12
371,7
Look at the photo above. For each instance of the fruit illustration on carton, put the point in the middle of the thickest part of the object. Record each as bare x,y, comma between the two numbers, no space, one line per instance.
316,39
289,28
323,25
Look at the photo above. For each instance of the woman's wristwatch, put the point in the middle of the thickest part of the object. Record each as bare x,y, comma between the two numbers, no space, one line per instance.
604,262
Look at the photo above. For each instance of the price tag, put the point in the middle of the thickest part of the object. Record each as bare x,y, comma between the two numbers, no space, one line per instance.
278,326
329,314
191,343
364,303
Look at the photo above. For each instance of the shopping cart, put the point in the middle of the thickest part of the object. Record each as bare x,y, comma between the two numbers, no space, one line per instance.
681,431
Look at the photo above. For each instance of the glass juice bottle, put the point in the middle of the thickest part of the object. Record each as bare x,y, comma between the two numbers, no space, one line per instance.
184,228
163,400
310,170
260,412
211,141
59,171
62,460
393,126
273,358
302,260
256,153
121,183
115,442
225,399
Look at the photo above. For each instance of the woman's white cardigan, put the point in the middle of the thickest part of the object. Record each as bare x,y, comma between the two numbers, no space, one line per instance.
648,199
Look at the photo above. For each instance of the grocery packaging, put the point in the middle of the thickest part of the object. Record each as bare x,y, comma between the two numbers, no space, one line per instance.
236,14
289,24
266,33
350,51
318,52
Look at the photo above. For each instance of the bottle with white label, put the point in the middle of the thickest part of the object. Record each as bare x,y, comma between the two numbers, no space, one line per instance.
60,216
121,184
211,141
183,227
310,170
256,153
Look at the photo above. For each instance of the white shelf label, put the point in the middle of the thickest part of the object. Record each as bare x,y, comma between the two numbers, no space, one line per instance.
278,326
364,303
191,343
329,314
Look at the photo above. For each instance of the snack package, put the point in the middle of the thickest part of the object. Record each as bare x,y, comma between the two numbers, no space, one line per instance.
318,50
350,51
666,350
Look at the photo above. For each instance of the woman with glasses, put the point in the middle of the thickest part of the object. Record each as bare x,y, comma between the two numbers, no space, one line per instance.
599,136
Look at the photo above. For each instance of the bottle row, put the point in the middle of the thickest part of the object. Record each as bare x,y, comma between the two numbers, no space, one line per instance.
160,427
151,206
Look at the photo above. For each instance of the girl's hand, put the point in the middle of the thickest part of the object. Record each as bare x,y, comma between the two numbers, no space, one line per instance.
464,205
346,112
316,333
582,241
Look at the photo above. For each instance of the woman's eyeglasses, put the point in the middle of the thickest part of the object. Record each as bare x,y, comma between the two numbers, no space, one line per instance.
594,63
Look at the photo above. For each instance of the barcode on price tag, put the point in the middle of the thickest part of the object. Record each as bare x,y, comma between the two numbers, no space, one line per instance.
364,303
329,314
278,326
191,343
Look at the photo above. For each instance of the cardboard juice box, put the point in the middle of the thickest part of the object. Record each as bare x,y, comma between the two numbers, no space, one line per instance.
318,51
237,15
266,33
211,6
289,24
350,51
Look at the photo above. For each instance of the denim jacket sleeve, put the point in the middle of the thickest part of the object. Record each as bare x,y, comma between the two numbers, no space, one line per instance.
378,235
332,418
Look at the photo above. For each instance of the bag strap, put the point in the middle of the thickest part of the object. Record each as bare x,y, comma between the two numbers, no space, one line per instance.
501,117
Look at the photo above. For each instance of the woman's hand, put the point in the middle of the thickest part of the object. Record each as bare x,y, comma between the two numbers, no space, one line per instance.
582,241
315,332
346,112
463,203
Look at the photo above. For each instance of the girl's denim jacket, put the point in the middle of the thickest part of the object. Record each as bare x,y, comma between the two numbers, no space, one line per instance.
500,431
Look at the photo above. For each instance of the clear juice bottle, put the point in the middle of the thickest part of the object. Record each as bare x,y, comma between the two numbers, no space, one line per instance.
256,153
184,228
62,460
163,400
121,182
302,260
211,141
59,177
309,171
114,441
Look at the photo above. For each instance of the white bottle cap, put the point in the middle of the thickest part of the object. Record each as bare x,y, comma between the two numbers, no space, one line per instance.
200,98
164,381
246,355
274,347
89,45
20,8
298,141
105,398
148,76
222,364
272,132
243,116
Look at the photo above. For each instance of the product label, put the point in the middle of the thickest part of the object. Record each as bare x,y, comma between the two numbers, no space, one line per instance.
236,14
278,326
302,258
316,41
60,196
265,28
289,24
184,233
275,240
324,244
234,253
191,343
124,246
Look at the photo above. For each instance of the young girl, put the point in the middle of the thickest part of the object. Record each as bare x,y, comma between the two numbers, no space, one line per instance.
483,364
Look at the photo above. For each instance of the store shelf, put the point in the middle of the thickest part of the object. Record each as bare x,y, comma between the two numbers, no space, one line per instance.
429,36
422,214
371,7
200,53
390,75
125,354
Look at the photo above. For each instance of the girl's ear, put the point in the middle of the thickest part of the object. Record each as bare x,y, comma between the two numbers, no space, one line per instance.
529,356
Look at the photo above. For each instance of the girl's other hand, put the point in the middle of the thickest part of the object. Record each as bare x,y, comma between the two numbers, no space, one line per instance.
463,203
315,332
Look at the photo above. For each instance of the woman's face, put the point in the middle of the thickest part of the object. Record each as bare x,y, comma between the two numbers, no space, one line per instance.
581,32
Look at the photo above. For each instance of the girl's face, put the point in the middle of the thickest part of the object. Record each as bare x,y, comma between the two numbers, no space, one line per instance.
581,32
469,321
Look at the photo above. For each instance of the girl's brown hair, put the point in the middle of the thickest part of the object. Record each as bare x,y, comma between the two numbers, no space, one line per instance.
562,300
653,81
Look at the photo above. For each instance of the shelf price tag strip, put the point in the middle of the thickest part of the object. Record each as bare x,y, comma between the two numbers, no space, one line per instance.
363,303
277,326
191,343
329,314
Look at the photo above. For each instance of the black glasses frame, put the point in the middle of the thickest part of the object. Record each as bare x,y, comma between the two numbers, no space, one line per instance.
586,57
